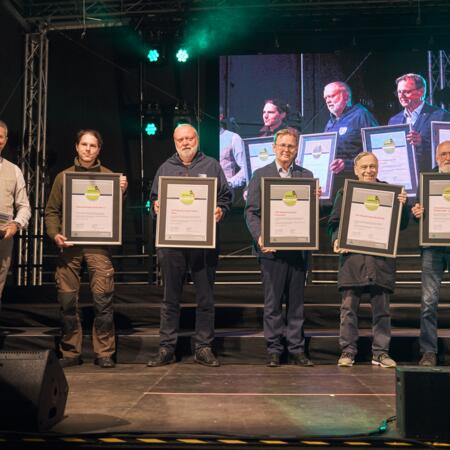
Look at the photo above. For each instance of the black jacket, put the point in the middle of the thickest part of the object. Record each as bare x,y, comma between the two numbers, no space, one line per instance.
358,270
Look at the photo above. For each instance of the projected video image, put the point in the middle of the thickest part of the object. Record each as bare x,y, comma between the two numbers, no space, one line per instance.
339,93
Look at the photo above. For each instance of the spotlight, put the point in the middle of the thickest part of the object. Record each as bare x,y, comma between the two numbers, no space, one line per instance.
153,123
153,55
181,114
182,55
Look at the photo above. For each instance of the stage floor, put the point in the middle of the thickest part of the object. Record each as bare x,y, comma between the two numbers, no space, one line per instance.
233,400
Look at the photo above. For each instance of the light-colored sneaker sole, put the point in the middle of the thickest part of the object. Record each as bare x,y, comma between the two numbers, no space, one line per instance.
345,364
384,366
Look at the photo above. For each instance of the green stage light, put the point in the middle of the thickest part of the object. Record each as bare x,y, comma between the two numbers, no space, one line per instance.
153,55
182,55
151,129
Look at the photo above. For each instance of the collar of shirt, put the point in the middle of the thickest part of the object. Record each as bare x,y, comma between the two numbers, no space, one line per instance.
285,173
411,117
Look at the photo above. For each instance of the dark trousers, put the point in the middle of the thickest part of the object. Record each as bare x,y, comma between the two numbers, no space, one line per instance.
202,265
381,319
283,279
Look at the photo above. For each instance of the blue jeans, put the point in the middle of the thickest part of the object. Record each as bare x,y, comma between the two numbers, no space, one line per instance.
434,262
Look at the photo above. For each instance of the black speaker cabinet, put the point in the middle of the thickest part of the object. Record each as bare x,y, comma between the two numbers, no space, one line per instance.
33,390
423,402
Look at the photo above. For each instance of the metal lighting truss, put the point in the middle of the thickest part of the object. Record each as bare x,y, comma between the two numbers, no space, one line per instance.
32,159
438,73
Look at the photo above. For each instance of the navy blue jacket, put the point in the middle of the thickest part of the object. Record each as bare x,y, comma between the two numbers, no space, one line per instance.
422,125
253,210
348,128
201,165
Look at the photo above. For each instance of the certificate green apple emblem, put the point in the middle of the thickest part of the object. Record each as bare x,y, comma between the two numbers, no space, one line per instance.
389,146
290,198
446,193
92,192
372,202
187,197
317,151
263,154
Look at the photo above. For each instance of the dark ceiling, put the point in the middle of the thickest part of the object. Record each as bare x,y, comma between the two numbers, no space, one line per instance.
258,25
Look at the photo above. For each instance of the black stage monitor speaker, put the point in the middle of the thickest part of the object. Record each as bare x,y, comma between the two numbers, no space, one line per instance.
33,390
423,402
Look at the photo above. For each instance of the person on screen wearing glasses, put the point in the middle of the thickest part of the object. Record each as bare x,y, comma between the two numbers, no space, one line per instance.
434,262
201,262
98,259
411,92
283,271
364,274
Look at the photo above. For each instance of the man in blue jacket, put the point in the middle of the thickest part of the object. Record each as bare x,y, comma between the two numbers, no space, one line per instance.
411,92
347,120
283,272
202,263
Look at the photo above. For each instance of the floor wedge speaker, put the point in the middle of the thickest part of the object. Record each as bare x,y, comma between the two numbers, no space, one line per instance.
423,402
33,390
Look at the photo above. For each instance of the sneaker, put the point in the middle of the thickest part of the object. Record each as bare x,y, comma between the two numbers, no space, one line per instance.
205,356
384,360
346,360
164,357
69,362
299,359
105,362
273,360
428,359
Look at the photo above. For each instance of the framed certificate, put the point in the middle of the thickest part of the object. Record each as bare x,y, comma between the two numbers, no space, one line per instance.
290,213
435,198
186,212
258,153
396,156
370,218
440,132
316,152
92,208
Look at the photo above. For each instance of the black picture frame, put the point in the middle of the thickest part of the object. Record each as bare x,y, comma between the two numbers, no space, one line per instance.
357,193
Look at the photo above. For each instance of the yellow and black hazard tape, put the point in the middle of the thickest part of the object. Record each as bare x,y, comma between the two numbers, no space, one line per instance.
162,441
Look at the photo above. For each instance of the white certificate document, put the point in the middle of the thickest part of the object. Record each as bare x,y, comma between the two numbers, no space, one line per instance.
392,152
260,154
439,209
370,218
317,159
289,218
92,208
186,213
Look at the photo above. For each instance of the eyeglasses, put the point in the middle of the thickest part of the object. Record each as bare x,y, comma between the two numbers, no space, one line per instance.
404,92
286,146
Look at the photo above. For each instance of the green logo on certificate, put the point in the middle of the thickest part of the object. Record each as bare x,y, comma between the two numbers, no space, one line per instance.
389,146
187,197
92,193
446,193
372,202
263,154
290,198
317,151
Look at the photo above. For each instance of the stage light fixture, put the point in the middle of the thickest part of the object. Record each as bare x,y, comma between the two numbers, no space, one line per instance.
151,129
153,55
152,120
181,114
182,55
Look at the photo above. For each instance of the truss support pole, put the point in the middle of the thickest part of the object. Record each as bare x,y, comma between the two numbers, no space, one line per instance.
32,159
